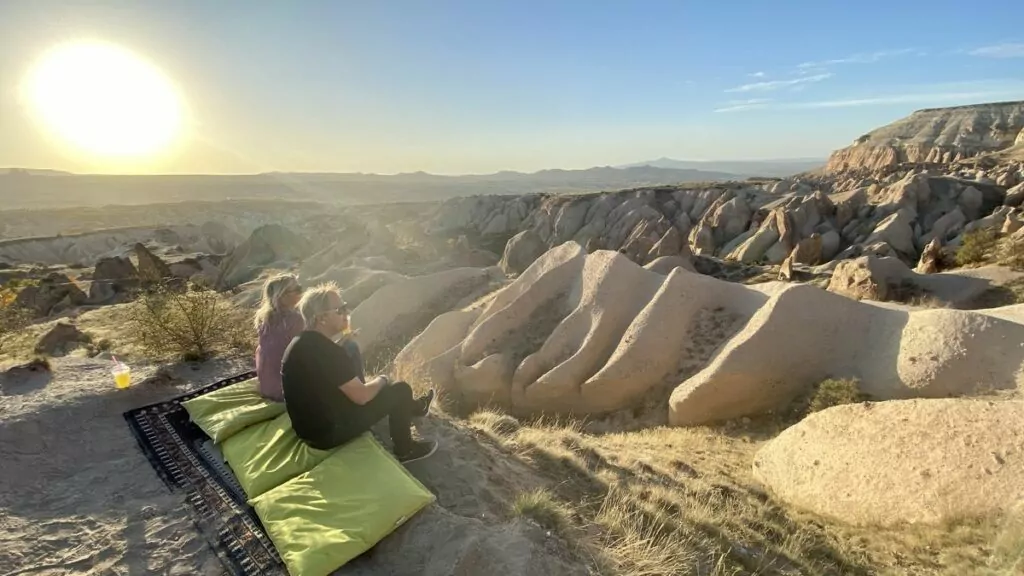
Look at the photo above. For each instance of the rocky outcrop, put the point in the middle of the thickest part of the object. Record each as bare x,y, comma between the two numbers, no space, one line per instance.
578,333
113,279
151,267
888,278
520,251
267,245
51,294
914,461
399,310
936,135
60,339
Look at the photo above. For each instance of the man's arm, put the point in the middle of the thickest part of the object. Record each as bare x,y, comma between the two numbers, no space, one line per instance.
362,393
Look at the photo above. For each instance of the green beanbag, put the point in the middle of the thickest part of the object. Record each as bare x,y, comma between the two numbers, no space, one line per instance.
269,454
322,519
224,412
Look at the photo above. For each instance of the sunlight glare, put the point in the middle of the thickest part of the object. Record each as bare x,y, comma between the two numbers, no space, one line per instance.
104,100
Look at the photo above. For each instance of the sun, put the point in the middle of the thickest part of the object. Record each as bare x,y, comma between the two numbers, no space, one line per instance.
104,100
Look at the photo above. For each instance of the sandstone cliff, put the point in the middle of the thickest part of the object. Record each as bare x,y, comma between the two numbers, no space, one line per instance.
936,135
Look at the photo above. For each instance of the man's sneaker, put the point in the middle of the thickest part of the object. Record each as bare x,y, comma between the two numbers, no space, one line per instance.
423,405
418,451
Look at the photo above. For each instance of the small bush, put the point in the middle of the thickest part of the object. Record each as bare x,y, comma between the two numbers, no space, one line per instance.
12,317
835,392
977,247
1011,253
541,507
187,323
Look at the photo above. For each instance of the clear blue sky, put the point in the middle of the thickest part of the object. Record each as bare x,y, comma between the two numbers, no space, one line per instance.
484,85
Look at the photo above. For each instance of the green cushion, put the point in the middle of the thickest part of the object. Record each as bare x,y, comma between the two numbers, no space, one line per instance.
224,412
326,517
269,454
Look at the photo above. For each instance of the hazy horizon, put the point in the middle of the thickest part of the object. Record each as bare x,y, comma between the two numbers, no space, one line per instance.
464,88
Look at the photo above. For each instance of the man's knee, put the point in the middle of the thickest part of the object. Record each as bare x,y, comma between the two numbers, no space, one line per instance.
401,390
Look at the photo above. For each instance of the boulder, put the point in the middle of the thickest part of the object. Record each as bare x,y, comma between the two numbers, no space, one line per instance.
60,339
113,279
1015,195
116,269
888,278
1011,224
807,251
917,461
971,201
947,225
931,258
151,267
53,289
830,242
520,251
266,245
897,231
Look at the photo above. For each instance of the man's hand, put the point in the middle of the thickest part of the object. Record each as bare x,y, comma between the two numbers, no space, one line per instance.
362,393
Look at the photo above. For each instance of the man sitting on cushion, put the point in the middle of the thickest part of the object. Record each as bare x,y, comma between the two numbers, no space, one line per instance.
327,401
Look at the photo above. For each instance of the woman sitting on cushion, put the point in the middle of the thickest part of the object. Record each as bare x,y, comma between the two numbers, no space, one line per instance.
328,401
277,322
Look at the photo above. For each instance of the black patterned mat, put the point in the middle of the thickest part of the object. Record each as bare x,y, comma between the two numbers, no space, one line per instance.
184,459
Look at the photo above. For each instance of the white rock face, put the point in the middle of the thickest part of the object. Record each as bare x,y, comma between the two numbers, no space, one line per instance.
901,461
594,333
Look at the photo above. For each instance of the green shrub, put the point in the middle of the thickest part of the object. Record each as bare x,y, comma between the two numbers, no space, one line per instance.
835,392
977,247
188,323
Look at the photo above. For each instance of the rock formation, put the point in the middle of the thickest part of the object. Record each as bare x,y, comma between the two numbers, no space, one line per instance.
151,267
579,333
902,461
59,339
936,135
50,294
888,278
112,278
399,310
267,245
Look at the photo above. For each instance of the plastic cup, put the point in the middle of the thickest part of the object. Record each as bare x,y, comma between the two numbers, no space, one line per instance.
122,376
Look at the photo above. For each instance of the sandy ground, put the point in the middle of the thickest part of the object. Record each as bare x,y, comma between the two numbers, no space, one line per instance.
77,497
76,494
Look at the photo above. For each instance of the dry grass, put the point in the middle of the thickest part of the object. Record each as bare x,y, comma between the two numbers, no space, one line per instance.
541,507
683,501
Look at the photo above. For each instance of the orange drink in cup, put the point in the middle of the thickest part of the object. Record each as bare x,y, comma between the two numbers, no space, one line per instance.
122,375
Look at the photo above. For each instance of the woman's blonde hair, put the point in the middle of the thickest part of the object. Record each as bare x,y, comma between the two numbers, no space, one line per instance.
273,289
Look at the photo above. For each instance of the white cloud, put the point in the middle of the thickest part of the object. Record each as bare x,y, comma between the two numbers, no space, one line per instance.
756,75
776,84
862,58
1006,50
925,96
738,105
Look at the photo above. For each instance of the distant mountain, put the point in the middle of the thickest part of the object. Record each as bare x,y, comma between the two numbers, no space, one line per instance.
32,172
741,168
44,189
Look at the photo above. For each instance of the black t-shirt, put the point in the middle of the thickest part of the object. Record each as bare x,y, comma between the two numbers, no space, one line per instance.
313,370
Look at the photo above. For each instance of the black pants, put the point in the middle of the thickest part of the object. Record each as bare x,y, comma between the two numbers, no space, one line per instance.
394,401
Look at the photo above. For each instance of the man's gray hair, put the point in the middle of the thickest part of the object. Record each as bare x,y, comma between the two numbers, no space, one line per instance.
315,301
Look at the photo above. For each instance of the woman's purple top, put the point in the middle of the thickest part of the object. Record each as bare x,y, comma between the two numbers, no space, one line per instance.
274,337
